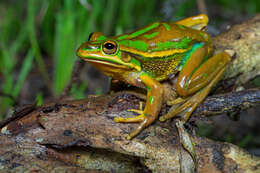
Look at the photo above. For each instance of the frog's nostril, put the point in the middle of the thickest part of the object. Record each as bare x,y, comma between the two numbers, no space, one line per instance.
85,47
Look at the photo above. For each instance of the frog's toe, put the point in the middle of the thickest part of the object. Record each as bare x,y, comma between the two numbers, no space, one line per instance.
143,121
136,119
138,130
183,110
136,111
177,101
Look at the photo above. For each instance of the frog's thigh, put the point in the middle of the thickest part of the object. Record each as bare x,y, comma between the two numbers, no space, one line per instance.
208,71
192,64
189,106
204,74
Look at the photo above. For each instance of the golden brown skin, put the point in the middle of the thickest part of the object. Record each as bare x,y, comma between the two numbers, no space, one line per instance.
149,55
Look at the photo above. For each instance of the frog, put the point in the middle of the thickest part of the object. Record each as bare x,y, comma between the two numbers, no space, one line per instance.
154,53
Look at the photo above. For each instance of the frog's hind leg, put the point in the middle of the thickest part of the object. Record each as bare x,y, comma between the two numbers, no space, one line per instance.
201,82
198,22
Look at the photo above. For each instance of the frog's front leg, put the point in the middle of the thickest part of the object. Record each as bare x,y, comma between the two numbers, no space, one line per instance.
152,107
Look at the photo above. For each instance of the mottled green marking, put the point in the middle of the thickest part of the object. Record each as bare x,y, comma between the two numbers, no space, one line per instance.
185,59
183,44
180,26
167,27
213,68
202,35
145,74
220,63
139,32
135,62
148,88
205,75
151,99
149,36
101,37
138,44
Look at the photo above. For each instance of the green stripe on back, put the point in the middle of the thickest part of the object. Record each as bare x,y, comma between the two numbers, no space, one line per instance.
183,44
149,36
138,44
139,32
167,27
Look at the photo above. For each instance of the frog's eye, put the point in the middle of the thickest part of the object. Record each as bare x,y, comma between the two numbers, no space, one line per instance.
109,47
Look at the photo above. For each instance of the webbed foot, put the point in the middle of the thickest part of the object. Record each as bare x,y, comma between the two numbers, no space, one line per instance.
186,108
143,119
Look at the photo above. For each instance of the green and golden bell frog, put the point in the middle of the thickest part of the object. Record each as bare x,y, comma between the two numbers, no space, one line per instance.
149,55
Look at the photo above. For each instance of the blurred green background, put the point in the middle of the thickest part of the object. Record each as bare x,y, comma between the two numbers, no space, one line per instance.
38,40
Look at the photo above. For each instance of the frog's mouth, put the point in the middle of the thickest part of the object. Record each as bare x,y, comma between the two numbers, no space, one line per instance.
107,63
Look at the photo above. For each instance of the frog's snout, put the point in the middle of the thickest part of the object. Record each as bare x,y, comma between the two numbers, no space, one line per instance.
80,49
85,48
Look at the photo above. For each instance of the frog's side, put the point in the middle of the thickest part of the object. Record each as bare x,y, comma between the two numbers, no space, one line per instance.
153,53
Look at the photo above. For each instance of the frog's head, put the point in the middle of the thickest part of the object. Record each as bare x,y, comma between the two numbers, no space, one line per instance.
104,53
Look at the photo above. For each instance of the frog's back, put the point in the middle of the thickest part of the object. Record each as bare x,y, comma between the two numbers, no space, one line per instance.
161,46
161,39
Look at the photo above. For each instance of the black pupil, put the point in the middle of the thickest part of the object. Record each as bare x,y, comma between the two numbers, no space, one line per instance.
109,46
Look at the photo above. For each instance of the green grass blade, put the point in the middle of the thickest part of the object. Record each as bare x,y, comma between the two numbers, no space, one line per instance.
110,16
35,45
64,55
26,67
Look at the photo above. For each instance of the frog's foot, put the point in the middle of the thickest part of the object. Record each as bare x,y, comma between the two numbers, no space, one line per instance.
185,109
138,111
136,119
185,139
143,119
176,101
